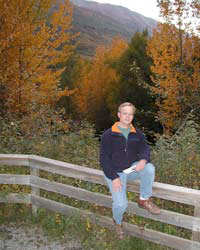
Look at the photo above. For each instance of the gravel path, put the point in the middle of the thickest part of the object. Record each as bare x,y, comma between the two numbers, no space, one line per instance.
23,237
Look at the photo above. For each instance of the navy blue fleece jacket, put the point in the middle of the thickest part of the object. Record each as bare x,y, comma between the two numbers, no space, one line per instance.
117,153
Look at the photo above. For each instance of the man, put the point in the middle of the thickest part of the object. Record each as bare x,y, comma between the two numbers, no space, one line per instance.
124,155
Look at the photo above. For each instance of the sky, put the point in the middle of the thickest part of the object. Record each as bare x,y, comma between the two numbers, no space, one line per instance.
147,8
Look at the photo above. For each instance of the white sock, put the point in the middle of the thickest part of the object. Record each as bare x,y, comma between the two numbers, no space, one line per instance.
143,199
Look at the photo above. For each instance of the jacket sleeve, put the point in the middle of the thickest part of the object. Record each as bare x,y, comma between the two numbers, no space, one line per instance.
106,156
144,149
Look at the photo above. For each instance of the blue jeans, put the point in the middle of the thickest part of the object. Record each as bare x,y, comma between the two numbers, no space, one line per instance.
119,199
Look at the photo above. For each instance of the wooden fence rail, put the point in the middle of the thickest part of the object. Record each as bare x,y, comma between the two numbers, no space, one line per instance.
160,190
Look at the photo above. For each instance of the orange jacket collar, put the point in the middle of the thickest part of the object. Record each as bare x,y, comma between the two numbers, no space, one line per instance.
116,129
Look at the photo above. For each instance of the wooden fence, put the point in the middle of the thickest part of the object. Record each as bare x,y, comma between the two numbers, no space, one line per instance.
164,191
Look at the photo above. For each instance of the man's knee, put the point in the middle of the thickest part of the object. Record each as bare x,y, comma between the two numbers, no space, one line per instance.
150,169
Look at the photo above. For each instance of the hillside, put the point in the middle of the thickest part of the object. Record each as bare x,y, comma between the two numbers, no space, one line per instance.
99,23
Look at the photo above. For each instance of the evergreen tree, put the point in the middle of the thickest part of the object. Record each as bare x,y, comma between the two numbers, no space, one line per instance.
135,81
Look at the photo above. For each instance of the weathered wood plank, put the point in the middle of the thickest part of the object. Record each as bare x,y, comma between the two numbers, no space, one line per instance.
171,192
14,159
133,230
67,169
168,217
195,233
35,190
16,198
14,179
160,190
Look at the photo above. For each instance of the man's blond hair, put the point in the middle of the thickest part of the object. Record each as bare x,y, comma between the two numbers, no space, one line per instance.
125,104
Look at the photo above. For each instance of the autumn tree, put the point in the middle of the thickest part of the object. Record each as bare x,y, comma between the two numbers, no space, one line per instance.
99,83
34,37
184,14
175,51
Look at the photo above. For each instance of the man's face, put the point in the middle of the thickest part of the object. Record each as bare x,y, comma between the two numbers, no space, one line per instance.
126,115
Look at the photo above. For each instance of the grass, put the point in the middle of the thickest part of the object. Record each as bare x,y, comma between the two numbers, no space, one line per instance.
74,228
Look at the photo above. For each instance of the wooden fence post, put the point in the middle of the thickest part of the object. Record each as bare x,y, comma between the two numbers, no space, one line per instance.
35,190
195,234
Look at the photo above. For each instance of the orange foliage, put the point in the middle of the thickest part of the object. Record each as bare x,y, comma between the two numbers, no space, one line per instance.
176,71
33,38
182,13
175,50
99,80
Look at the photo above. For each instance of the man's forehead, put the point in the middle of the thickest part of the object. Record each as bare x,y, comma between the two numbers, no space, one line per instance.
127,108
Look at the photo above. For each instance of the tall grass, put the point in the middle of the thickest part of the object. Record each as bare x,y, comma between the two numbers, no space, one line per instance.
178,158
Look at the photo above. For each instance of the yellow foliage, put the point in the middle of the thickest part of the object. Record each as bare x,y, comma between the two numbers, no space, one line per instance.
32,40
99,78
176,72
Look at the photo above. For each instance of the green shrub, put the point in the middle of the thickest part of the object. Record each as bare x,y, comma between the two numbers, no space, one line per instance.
47,134
178,158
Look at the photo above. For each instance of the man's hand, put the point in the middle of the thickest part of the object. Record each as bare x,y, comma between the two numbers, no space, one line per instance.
117,185
140,166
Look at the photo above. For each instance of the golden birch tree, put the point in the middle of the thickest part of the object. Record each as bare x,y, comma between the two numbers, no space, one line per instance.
174,48
34,37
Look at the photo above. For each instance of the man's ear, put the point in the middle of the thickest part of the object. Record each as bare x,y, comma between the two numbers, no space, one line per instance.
118,114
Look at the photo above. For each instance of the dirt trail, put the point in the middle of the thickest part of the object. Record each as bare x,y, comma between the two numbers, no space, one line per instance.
30,237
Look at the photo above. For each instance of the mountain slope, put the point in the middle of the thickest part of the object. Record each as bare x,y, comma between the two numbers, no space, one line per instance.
99,23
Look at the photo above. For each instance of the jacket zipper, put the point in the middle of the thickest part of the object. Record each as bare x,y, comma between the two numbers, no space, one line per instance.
126,146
